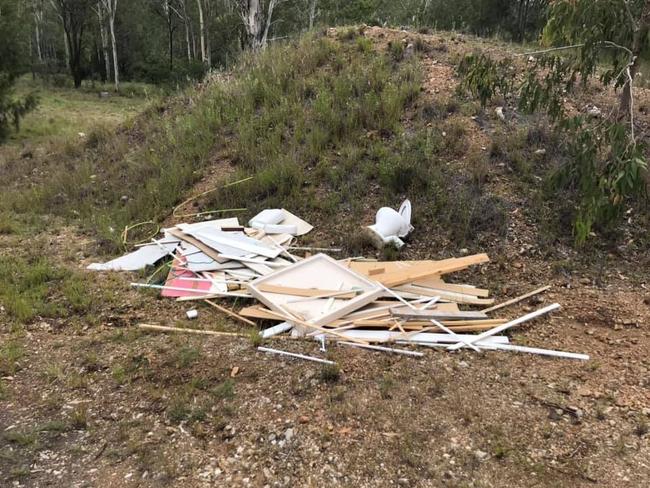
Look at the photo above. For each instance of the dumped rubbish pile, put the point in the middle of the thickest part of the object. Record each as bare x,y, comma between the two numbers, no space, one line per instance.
384,306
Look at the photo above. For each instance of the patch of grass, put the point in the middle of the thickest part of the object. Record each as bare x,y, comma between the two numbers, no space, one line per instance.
641,428
386,387
7,224
64,112
54,373
396,50
330,373
20,438
255,337
364,44
54,426
390,252
186,356
79,418
10,354
479,168
348,34
36,287
225,390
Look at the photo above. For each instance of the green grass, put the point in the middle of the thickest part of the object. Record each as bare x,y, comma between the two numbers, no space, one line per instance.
10,353
318,122
65,112
37,288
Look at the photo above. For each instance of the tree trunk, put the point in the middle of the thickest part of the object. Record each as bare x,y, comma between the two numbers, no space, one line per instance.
204,58
38,19
104,40
171,44
269,17
186,22
253,24
67,49
111,25
312,13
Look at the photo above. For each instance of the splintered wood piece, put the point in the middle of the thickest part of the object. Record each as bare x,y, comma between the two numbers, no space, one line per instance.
304,292
436,283
230,313
516,299
444,295
430,268
408,313
165,328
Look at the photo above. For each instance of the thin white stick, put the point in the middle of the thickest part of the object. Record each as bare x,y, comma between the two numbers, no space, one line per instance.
536,350
270,264
299,248
507,325
294,355
433,301
384,349
512,347
333,294
516,299
454,335
395,295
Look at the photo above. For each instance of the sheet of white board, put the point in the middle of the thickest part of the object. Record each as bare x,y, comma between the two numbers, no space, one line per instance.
143,257
317,272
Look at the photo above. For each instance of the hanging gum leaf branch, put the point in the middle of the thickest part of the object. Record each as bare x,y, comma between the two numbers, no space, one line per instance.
593,40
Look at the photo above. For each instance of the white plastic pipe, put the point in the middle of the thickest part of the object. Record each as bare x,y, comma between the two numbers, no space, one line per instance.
276,329
514,348
294,355
429,337
537,350
384,349
507,325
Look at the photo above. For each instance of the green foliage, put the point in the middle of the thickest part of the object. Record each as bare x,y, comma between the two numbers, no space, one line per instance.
12,109
609,37
605,170
484,78
606,165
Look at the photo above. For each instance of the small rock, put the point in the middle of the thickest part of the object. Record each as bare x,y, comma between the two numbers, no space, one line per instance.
288,435
480,455
540,152
499,112
594,111
463,364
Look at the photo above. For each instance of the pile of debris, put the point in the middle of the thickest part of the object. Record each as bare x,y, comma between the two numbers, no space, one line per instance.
353,302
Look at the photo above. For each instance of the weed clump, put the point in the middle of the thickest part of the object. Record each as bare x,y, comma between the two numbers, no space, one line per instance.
330,373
